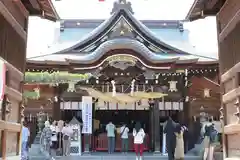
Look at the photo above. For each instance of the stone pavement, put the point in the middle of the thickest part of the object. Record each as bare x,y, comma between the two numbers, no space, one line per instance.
119,156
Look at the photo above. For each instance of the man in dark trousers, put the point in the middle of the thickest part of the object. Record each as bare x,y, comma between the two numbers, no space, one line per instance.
170,138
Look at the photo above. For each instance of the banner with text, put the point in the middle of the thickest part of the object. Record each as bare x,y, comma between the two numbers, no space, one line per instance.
87,114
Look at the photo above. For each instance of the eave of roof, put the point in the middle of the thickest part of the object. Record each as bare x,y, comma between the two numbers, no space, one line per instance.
48,10
194,9
202,8
122,43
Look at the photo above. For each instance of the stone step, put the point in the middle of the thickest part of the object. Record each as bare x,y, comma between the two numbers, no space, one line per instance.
123,157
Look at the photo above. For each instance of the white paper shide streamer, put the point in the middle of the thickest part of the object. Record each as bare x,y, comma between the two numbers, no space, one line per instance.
132,86
113,88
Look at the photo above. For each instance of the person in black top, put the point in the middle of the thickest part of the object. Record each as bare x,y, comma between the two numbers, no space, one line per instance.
170,138
209,130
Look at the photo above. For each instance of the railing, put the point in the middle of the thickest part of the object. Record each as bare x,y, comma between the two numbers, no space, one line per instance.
101,143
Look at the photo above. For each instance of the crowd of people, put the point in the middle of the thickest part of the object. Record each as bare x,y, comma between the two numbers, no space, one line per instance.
176,142
56,139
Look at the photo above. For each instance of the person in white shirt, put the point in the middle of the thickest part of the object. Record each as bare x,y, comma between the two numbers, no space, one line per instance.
139,135
25,139
53,127
110,128
67,132
124,136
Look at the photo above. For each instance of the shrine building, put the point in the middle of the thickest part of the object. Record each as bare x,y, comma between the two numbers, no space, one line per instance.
124,55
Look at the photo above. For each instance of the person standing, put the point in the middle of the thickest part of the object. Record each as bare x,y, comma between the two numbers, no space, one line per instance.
139,135
170,138
179,150
110,128
185,138
67,132
46,137
124,137
54,139
210,137
25,138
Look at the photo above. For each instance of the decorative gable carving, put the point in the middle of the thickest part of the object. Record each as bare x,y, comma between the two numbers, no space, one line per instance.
122,28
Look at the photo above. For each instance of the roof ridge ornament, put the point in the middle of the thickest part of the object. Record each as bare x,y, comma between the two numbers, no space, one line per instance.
122,5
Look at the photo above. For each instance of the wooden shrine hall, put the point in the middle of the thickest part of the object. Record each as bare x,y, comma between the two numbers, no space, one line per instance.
124,55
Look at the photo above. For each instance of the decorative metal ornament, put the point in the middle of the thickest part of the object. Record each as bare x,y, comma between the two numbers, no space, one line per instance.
122,65
121,62
173,86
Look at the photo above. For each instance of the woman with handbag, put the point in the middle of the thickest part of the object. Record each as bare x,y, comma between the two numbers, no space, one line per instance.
139,135
124,138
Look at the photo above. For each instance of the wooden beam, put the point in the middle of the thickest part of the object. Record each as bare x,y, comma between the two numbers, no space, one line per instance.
232,129
230,96
211,4
12,21
13,93
9,126
35,4
230,26
21,7
230,73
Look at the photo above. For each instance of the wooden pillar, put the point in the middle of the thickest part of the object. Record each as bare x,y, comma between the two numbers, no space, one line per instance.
151,120
156,126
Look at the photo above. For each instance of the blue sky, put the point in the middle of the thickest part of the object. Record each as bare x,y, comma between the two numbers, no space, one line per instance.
42,33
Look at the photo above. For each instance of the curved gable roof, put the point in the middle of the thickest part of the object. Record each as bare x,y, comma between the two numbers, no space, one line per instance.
102,30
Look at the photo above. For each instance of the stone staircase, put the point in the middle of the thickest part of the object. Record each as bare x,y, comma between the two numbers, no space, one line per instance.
35,152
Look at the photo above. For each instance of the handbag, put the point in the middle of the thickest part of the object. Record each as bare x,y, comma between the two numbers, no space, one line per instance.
65,137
